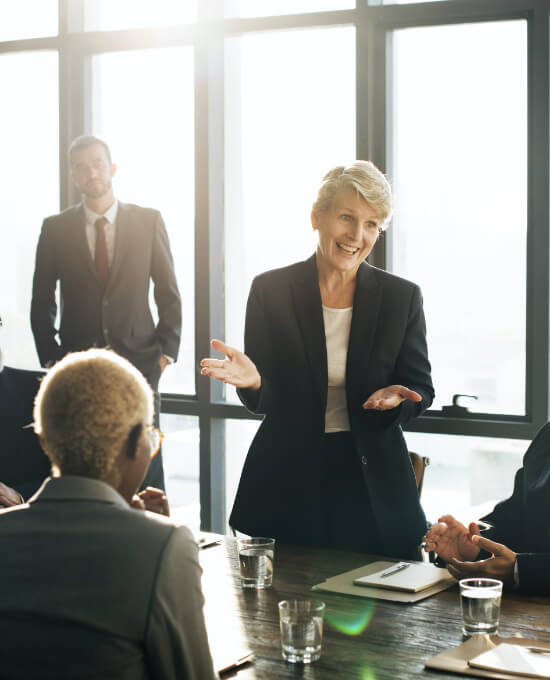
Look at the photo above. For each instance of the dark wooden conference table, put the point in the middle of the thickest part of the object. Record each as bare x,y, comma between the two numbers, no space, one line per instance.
363,639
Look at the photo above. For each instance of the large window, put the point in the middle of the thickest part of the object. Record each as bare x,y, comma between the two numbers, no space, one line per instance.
149,122
30,163
27,19
180,453
110,15
459,171
301,85
225,114
258,8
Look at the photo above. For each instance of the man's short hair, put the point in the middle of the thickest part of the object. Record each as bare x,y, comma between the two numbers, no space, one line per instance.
84,141
85,409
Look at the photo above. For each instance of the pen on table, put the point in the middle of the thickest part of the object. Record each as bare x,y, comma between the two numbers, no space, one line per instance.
393,570
538,650
228,670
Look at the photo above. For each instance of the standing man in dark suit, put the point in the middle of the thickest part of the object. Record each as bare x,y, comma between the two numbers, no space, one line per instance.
104,254
516,547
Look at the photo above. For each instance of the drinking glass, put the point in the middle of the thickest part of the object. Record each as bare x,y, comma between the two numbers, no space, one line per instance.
301,629
256,562
480,601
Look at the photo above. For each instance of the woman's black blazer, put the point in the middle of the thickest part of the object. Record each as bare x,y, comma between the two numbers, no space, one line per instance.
284,336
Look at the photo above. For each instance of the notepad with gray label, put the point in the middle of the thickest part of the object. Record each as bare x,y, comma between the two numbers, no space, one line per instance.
410,577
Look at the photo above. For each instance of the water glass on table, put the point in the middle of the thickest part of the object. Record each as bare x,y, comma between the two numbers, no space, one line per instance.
301,629
256,562
480,601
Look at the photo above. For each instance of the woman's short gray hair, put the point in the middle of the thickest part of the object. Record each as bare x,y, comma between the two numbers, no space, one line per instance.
368,182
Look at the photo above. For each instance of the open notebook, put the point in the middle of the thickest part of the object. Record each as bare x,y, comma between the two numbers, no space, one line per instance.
356,582
410,577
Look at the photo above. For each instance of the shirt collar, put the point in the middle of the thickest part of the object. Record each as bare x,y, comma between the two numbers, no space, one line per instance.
72,487
110,214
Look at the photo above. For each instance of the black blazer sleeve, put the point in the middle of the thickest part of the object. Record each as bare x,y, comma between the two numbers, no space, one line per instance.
506,517
534,573
257,346
43,304
520,521
167,297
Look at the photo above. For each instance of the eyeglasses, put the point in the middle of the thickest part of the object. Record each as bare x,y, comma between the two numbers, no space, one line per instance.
155,437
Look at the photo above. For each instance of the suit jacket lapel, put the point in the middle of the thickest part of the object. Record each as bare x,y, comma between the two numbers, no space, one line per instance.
309,313
366,307
81,245
122,239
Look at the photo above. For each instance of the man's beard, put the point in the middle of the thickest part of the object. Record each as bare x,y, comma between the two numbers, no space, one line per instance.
97,189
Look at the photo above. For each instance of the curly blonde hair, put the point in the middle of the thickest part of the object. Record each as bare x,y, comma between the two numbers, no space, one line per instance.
368,182
85,409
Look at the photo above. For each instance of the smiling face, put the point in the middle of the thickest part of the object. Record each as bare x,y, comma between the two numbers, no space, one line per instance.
347,231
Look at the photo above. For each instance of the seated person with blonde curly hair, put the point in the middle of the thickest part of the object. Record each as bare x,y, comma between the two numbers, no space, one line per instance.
90,586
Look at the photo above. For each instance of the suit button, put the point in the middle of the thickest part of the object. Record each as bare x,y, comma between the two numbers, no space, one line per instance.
364,460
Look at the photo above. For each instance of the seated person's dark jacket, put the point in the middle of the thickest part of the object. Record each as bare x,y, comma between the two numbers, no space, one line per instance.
522,521
23,464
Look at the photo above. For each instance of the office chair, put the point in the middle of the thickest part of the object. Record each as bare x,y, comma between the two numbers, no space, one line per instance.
23,464
419,464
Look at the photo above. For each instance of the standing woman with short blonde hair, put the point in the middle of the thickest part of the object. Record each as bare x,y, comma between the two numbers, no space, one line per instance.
336,359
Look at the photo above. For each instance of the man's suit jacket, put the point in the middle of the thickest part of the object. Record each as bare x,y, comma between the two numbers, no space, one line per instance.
23,464
285,338
522,521
90,588
120,316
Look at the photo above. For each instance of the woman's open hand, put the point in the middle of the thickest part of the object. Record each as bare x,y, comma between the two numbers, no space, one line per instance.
237,369
390,397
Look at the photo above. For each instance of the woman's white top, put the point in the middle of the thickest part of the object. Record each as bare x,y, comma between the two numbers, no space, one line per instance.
337,329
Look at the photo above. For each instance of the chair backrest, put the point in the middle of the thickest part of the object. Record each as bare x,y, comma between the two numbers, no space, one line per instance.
23,464
419,464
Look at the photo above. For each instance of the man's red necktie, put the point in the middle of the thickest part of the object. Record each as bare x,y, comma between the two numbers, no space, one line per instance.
101,257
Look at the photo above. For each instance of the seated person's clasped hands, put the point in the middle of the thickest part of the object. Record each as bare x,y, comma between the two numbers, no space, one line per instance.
460,547
151,499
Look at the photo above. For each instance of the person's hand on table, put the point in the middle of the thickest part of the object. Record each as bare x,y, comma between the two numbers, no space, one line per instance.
390,397
153,500
237,369
500,565
452,540
9,496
